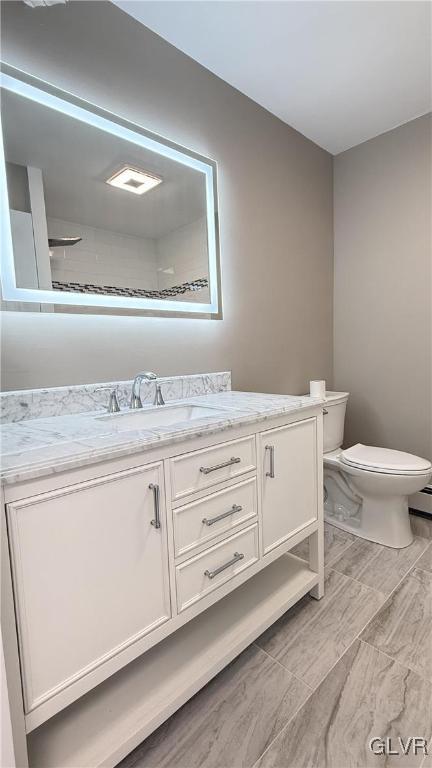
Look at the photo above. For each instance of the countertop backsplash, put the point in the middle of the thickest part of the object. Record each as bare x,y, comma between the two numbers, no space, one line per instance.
81,398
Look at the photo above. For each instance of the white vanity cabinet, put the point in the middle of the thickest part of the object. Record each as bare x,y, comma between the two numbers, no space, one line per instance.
289,480
220,513
90,570
207,571
138,580
198,470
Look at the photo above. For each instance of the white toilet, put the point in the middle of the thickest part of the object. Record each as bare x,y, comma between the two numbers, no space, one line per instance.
366,489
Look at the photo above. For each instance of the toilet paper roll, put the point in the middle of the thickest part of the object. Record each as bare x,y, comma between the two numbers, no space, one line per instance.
317,388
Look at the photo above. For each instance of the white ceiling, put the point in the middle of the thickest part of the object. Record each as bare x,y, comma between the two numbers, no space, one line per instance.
338,72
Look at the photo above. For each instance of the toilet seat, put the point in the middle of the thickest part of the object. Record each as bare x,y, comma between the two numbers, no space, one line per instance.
384,461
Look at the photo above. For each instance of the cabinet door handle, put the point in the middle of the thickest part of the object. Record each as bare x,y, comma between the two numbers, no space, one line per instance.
271,449
156,522
232,460
237,556
325,412
212,520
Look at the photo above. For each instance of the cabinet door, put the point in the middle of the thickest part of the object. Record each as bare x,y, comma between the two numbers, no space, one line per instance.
90,573
289,480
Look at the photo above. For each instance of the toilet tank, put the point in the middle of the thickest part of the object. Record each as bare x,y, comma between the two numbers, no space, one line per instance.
334,419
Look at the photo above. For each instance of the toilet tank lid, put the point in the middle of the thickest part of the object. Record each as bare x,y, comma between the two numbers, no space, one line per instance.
384,459
333,398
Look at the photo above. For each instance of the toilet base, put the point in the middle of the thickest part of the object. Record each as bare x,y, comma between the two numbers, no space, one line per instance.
381,518
402,541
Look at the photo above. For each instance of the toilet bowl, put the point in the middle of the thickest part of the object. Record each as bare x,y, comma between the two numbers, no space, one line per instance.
366,488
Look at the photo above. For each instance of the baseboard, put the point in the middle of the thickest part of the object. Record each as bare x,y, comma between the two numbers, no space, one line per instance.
422,501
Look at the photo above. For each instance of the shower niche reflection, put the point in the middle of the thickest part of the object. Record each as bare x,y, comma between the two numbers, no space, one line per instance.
102,214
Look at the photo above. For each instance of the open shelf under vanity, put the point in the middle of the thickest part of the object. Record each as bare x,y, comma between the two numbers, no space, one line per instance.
108,722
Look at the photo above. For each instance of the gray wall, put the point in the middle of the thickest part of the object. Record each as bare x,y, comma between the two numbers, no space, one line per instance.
275,190
382,317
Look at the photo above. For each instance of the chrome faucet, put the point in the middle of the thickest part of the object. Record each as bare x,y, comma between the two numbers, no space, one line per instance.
158,398
113,403
136,386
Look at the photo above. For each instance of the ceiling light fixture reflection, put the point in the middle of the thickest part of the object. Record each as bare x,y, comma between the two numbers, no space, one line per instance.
134,180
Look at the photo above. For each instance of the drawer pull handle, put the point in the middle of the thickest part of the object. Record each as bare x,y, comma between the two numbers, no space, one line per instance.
212,520
271,473
232,460
156,522
237,556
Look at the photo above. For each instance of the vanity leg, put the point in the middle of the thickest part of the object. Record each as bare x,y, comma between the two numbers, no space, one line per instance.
316,541
316,562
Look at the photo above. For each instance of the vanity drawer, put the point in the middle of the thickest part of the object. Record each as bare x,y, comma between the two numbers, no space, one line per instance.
194,471
202,520
207,571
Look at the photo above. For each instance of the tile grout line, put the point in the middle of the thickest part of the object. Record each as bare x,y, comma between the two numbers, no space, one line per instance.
418,558
395,661
359,632
310,692
299,679
357,637
285,669
423,570
423,763
413,565
295,713
385,597
321,681
336,557
362,584
365,586
423,553
315,689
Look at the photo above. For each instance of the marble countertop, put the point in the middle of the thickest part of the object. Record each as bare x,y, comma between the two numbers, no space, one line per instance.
45,446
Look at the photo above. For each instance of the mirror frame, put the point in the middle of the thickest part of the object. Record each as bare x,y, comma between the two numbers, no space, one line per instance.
29,87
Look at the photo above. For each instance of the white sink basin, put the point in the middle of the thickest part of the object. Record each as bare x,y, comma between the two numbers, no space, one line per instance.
162,416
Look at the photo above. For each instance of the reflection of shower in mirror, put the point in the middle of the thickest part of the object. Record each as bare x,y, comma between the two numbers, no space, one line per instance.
60,242
76,239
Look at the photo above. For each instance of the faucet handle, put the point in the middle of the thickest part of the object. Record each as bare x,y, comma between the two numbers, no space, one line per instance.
113,403
158,400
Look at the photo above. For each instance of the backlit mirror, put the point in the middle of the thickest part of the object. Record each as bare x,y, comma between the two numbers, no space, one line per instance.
98,213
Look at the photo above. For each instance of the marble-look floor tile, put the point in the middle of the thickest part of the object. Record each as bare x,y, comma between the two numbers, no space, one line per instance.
310,638
427,760
230,722
377,566
366,695
425,561
403,626
336,541
421,526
